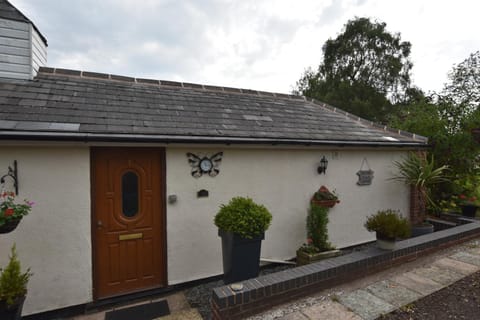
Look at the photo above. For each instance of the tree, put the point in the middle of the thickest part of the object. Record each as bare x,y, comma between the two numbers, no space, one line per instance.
464,85
447,119
364,70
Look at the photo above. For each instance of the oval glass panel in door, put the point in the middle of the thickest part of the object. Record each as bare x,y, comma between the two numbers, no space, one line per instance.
129,194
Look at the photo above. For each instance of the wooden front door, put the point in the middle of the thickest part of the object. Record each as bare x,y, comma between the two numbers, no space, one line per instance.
128,220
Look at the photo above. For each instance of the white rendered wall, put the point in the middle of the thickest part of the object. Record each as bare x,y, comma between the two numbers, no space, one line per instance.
282,180
55,239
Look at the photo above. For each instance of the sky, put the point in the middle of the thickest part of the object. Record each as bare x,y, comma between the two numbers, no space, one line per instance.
254,44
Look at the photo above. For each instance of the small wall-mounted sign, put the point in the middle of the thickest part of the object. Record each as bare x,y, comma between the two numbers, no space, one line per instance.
202,193
172,198
365,177
205,164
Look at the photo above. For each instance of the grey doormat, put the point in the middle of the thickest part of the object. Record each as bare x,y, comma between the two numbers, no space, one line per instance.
146,311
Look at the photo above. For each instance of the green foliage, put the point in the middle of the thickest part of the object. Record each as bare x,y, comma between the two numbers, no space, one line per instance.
464,85
13,283
317,231
10,210
421,173
447,119
367,53
388,223
244,217
362,70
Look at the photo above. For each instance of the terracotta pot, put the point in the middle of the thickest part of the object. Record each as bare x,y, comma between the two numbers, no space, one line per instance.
324,203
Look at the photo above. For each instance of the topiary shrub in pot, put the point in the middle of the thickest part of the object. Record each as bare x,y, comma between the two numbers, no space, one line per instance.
241,225
389,226
13,288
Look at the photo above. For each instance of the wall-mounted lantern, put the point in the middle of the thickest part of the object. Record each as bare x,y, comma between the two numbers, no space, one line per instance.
13,174
323,166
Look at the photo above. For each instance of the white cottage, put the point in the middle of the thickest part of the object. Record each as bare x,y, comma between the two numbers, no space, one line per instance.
125,203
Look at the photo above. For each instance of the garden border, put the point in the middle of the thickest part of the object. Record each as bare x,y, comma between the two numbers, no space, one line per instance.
264,292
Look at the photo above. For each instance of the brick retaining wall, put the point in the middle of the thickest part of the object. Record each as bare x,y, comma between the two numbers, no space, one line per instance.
264,292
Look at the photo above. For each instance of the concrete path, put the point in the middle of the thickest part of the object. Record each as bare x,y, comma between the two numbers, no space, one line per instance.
382,293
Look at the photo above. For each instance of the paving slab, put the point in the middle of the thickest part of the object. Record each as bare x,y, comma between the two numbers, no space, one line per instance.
467,257
457,266
177,302
393,293
329,310
93,316
189,314
294,316
474,250
417,283
365,304
440,275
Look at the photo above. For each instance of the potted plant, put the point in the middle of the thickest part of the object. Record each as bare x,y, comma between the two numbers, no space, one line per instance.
389,226
469,205
317,247
11,213
421,175
241,225
324,198
13,288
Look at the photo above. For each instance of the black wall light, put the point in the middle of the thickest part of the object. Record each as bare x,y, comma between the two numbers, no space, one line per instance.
12,173
323,166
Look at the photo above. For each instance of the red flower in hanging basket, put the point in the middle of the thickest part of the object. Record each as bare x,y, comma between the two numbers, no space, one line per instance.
9,212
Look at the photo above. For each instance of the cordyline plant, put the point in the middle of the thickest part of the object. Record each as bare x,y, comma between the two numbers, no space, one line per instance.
9,210
422,174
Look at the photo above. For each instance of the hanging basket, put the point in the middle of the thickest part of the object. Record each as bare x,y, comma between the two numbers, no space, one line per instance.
9,226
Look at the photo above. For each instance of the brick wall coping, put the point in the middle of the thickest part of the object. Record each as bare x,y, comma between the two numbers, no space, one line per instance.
264,292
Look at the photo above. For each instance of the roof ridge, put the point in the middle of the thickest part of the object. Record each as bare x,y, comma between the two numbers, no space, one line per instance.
154,82
369,123
189,85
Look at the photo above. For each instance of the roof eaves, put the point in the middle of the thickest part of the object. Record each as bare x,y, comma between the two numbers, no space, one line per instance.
94,137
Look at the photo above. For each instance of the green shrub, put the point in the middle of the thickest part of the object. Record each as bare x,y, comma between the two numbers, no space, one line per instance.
388,223
13,283
317,230
243,217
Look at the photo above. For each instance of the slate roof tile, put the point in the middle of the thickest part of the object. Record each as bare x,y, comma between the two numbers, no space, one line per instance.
112,105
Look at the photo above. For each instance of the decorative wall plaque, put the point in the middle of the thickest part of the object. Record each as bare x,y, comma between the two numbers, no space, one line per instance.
205,164
365,177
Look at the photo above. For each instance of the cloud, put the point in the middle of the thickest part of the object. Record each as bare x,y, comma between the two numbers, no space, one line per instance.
261,44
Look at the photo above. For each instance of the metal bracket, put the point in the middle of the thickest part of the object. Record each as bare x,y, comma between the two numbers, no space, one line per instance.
12,173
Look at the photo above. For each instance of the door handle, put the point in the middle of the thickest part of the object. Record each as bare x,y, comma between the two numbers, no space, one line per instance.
99,223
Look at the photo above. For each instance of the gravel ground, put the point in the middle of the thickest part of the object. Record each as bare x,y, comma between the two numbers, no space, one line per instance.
461,300
199,296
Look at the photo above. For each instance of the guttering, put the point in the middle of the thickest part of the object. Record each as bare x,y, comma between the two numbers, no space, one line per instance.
99,137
